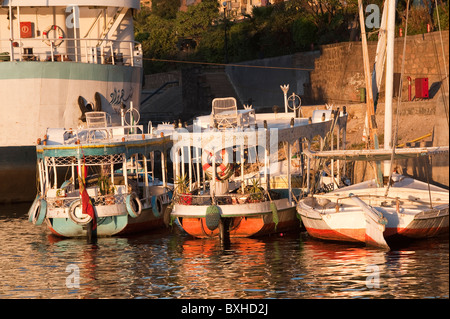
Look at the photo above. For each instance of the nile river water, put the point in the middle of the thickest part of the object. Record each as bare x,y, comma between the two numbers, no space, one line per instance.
170,264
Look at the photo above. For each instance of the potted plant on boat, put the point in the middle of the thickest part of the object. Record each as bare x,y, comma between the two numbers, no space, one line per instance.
182,189
106,189
256,192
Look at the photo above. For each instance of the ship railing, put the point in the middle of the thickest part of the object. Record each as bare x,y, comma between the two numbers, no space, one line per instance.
98,200
224,199
386,201
115,52
108,133
92,134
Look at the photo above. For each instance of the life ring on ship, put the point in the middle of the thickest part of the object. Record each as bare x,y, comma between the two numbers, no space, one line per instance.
59,32
224,169
76,213
133,211
157,206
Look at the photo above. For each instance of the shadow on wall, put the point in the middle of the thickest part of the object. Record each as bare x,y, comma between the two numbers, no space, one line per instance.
261,84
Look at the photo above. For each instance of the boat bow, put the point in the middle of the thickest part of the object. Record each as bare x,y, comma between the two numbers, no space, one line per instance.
375,223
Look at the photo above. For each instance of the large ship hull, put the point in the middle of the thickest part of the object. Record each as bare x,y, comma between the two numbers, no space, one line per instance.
17,173
38,95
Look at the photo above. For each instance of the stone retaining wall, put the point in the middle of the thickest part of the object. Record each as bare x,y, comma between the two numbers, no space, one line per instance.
338,74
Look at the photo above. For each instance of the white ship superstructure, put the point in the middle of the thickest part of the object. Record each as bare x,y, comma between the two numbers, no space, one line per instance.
57,59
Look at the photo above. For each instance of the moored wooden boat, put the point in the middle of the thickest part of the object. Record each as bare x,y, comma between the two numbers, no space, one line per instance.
343,222
217,194
242,219
406,213
408,208
101,178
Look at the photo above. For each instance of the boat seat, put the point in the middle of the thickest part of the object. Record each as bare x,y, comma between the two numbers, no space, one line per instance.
224,112
97,127
96,119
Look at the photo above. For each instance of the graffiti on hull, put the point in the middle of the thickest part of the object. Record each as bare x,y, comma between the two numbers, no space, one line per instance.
118,97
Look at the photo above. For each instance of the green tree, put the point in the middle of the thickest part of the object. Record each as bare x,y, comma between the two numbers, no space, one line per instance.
166,9
442,9
197,20
304,32
160,42
211,46
140,24
279,29
241,42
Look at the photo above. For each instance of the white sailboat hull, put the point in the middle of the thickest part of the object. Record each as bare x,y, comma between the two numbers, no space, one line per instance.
351,225
407,210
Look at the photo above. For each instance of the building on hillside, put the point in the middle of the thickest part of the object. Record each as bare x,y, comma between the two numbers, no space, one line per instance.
235,9
184,4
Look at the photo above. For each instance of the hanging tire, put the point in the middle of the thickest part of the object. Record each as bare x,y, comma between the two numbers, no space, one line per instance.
40,213
134,205
157,206
76,213
34,208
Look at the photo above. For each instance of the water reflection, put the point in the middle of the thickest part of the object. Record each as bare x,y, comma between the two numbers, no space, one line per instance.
241,271
34,264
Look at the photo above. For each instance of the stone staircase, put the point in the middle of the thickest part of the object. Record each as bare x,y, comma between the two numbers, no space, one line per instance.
200,86
162,107
193,97
216,85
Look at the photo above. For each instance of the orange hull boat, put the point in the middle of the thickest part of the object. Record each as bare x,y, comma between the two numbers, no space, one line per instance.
244,226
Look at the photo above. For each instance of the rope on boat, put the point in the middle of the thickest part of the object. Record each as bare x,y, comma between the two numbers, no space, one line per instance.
320,166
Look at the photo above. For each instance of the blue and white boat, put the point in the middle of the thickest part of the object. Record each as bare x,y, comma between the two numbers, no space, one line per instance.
115,164
59,59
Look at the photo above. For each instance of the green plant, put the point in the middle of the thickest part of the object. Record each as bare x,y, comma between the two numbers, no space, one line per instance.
255,190
419,17
182,189
443,11
304,32
182,184
104,184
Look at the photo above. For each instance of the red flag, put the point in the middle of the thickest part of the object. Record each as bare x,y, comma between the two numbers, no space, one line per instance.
86,203
88,208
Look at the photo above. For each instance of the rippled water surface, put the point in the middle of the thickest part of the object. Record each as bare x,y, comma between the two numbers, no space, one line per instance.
34,264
